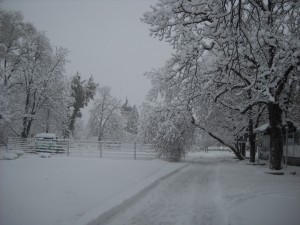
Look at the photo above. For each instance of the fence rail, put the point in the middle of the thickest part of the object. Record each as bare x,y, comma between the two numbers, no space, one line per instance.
84,148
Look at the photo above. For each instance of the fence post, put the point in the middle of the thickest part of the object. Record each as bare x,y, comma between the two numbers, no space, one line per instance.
100,149
68,147
134,150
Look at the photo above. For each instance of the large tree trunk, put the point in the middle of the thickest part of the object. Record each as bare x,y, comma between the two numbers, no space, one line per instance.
26,127
47,121
100,134
276,140
251,134
72,124
237,153
234,150
243,149
24,132
251,141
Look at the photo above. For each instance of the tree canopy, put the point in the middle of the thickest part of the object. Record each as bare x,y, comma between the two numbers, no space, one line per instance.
32,82
235,56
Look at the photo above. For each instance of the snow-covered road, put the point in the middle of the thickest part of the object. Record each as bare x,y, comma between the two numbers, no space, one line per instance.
192,196
217,190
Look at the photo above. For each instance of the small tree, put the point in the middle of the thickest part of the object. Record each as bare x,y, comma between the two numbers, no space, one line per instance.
133,121
104,108
170,131
114,128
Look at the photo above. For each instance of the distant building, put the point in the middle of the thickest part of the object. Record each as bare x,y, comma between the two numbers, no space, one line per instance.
291,143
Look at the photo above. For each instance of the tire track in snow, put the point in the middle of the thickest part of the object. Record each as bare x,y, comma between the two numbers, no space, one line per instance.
191,196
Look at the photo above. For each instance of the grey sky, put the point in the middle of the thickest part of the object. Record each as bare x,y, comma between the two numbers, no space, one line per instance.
106,39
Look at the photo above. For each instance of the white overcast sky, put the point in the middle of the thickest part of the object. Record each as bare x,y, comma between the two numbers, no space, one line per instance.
105,38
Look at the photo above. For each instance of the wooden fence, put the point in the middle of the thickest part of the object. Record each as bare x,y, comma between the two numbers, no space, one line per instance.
84,148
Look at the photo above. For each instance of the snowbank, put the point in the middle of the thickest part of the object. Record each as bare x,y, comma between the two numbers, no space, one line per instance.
46,135
8,156
12,154
253,196
61,191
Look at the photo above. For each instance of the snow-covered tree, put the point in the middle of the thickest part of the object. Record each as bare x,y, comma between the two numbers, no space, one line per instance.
31,73
133,121
81,93
250,49
52,118
220,122
114,128
105,107
170,130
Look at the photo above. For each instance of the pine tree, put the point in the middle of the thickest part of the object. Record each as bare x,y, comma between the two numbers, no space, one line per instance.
82,93
133,121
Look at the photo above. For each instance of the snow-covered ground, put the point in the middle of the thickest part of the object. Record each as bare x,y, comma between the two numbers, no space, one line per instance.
213,189
60,190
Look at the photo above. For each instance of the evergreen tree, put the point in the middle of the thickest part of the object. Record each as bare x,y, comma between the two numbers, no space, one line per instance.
82,93
133,121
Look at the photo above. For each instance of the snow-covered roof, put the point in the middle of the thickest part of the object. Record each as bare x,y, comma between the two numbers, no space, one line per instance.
295,123
262,128
45,135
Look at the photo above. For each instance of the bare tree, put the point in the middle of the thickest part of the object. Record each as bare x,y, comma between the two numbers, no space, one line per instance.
103,110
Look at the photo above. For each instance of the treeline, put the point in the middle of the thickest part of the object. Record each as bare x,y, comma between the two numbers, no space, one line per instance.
36,95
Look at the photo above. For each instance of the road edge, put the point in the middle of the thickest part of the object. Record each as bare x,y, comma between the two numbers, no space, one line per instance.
104,212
